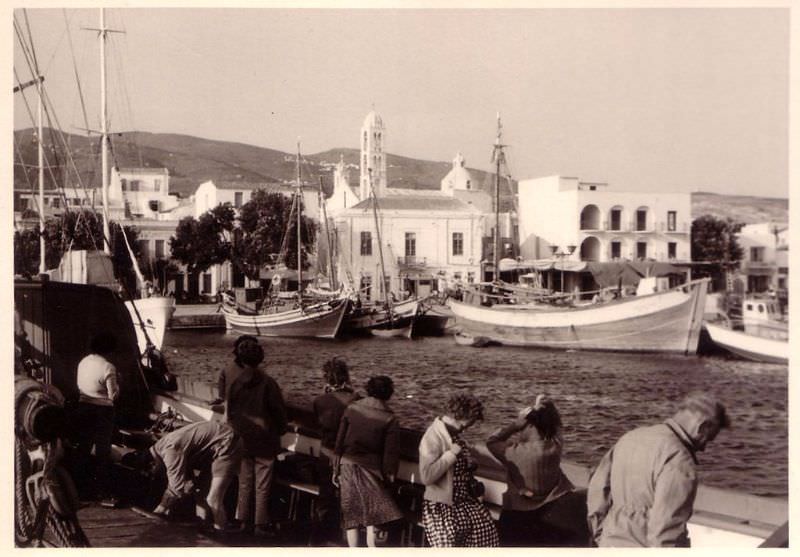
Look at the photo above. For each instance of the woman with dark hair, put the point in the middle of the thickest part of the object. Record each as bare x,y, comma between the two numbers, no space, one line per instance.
366,461
452,513
328,410
255,410
540,507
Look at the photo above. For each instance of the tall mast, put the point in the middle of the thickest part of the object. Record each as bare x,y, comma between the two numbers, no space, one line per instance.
498,156
386,295
324,213
42,265
104,131
299,230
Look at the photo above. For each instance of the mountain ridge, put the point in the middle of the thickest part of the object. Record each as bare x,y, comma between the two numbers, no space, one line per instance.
193,160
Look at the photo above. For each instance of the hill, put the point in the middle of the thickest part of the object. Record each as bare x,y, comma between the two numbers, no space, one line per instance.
744,209
193,160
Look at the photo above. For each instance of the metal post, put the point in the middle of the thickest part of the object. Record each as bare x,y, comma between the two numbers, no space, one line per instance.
42,265
104,133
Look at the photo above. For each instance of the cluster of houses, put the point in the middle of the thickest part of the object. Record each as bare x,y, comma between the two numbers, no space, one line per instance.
432,238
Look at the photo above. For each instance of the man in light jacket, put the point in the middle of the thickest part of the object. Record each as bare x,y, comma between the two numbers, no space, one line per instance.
642,492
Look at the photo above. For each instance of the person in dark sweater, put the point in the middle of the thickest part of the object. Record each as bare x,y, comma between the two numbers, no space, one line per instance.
367,460
328,410
540,506
255,409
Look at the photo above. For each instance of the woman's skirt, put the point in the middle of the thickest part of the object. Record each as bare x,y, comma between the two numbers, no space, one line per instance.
364,498
465,524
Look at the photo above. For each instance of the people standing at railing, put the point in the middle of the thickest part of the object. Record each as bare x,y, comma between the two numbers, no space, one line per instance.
452,512
366,462
255,409
642,492
540,506
99,389
328,410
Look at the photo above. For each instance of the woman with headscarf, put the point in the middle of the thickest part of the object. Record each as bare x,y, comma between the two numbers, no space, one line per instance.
452,512
540,507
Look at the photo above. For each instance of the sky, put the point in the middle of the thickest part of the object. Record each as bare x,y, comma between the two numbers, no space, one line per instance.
671,99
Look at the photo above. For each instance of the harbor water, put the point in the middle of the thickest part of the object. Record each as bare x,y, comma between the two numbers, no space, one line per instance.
600,395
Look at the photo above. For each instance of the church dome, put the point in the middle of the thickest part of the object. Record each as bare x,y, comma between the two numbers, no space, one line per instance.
373,120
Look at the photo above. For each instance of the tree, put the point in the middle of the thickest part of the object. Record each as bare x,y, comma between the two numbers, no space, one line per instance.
201,243
714,240
269,233
75,230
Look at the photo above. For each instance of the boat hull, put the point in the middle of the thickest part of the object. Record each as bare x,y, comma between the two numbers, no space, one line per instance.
662,322
749,347
363,320
155,313
317,321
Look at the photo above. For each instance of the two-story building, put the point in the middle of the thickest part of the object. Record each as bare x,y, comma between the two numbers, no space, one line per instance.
765,257
602,224
428,238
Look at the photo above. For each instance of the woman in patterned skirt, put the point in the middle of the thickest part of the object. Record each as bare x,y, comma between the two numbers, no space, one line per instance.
366,450
452,513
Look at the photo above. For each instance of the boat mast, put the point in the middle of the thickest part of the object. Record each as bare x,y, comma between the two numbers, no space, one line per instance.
497,156
332,278
299,209
386,295
42,265
104,132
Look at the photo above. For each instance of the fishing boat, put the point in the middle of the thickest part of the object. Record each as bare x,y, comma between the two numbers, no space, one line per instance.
385,317
760,335
667,321
289,317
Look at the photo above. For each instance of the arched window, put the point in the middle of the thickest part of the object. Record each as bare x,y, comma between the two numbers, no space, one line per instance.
590,218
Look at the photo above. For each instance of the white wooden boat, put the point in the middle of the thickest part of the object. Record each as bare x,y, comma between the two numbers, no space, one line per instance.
151,318
666,321
748,346
763,336
315,321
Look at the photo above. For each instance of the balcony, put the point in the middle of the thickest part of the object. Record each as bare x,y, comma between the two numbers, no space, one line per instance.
411,261
620,226
758,268
680,228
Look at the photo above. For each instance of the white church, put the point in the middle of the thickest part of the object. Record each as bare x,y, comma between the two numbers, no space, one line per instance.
428,237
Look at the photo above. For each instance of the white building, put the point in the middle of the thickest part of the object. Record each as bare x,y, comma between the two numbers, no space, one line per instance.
424,239
428,237
765,258
601,223
141,193
344,195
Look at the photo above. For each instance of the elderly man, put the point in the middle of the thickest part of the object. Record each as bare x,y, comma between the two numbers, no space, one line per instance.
642,493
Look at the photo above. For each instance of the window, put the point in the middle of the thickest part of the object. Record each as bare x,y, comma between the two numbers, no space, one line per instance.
469,184
366,286
206,283
616,250
56,202
144,248
470,277
411,244
124,184
641,219
672,225
238,197
135,185
156,185
366,243
616,219
458,243
757,255
641,250
672,250
159,249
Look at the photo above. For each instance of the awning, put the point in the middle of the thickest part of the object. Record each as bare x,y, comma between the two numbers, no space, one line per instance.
610,273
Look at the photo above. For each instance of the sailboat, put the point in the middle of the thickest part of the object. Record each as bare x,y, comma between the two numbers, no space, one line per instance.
316,320
388,318
150,313
666,320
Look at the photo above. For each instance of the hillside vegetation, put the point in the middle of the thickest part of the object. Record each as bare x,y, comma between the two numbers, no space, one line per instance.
193,160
